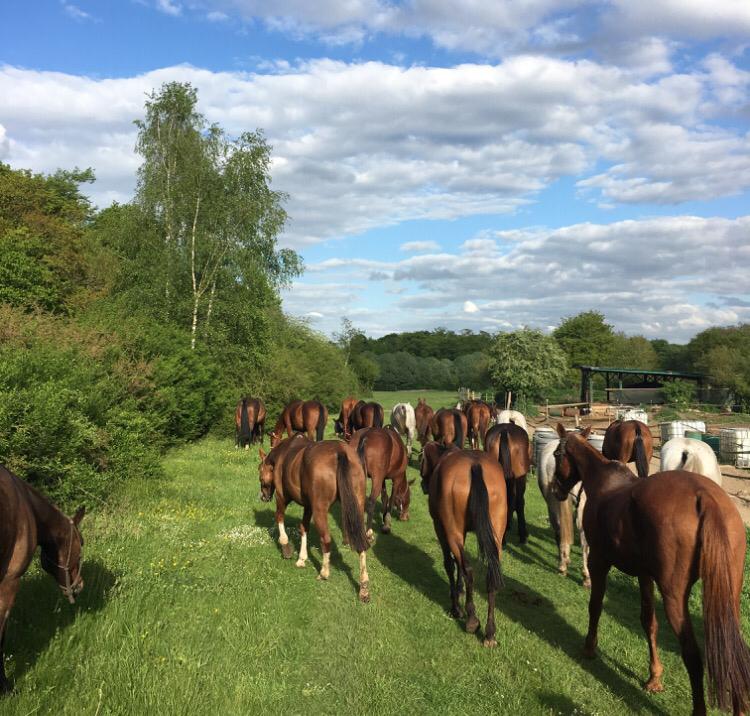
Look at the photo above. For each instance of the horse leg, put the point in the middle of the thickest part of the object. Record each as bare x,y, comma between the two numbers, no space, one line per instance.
449,563
584,541
364,579
523,533
489,629
510,491
472,623
676,608
651,628
320,517
387,506
286,547
8,590
598,587
304,528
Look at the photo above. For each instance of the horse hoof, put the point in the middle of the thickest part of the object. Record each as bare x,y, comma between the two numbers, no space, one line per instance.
489,643
5,687
589,653
523,540
587,584
364,592
322,577
300,563
370,537
286,550
562,571
472,625
653,686
385,529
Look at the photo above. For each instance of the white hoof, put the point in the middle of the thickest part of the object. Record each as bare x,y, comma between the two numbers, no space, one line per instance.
300,563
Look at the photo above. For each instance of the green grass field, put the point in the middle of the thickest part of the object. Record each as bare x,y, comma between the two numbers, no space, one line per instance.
189,608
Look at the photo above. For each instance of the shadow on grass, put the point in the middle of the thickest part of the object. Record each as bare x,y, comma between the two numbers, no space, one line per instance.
41,611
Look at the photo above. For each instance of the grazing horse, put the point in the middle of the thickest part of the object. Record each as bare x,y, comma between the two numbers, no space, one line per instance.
309,417
512,416
28,519
343,426
629,441
315,475
366,415
404,421
383,457
509,445
691,455
478,417
249,421
449,426
424,414
672,529
466,493
561,513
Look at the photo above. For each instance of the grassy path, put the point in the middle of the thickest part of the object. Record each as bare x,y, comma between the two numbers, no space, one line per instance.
189,608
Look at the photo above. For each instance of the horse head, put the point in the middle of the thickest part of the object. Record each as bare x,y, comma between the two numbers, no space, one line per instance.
62,557
265,474
566,469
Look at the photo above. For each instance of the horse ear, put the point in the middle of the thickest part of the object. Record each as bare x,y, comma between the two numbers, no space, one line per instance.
262,454
561,430
80,512
586,431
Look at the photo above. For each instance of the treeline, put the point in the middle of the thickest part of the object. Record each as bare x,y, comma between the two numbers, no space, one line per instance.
126,330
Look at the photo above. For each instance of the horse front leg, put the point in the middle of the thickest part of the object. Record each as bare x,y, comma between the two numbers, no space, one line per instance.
286,547
8,590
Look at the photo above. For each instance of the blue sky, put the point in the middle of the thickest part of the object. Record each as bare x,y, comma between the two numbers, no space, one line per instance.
448,163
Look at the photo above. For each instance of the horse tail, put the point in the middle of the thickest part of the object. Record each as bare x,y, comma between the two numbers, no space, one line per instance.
353,519
458,431
244,424
727,655
641,463
566,520
505,460
479,512
361,453
321,425
377,419
683,460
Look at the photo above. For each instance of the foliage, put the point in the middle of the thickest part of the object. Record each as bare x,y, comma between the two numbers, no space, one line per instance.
526,362
678,393
671,356
439,343
634,352
587,339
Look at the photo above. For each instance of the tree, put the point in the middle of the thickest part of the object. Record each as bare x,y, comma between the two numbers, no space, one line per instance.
635,352
211,200
527,363
586,339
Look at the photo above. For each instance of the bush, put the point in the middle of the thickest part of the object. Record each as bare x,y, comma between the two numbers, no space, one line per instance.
679,393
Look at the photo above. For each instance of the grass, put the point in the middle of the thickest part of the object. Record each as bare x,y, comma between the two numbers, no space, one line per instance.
190,608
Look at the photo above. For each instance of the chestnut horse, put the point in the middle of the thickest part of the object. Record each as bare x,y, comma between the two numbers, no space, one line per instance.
467,493
629,441
449,426
478,417
315,475
423,414
309,417
383,457
249,421
672,529
343,426
509,445
366,415
28,519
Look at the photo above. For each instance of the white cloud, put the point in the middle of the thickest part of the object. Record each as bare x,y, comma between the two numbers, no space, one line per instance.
76,12
470,307
169,7
418,247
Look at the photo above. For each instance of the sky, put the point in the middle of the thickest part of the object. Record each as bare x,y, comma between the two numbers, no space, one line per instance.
449,163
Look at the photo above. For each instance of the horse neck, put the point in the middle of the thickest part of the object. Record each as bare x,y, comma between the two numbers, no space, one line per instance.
51,523
598,475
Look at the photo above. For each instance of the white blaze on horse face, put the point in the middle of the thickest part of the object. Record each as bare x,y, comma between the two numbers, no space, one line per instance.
302,551
283,539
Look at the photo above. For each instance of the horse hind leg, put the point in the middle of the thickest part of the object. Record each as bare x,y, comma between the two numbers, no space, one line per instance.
304,528
472,622
387,504
523,532
651,628
320,517
8,590
450,569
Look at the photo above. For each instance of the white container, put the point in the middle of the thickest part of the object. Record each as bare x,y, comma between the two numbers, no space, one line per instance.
677,428
734,447
632,414
542,436
597,441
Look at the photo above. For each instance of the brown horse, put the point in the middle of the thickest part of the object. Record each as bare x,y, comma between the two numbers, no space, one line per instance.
629,441
423,414
467,493
672,529
315,475
309,417
509,445
383,457
366,415
478,417
343,426
249,421
28,519
449,426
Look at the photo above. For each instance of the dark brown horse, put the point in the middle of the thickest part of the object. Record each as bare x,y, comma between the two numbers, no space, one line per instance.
308,417
423,414
629,441
315,475
28,519
672,529
343,425
449,426
478,417
509,445
383,457
249,421
467,493
366,415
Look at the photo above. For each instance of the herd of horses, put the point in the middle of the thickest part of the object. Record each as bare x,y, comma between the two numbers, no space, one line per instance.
668,529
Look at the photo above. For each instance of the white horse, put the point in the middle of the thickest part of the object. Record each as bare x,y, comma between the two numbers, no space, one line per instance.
404,422
512,416
692,455
561,513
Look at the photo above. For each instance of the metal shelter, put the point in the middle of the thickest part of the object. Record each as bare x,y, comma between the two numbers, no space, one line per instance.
648,378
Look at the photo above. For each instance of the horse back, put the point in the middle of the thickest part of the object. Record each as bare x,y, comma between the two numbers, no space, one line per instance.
18,538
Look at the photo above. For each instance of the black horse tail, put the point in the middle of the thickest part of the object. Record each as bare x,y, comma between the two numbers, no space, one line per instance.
245,431
361,453
505,460
377,419
479,513
727,654
353,519
321,425
641,463
458,430
683,460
